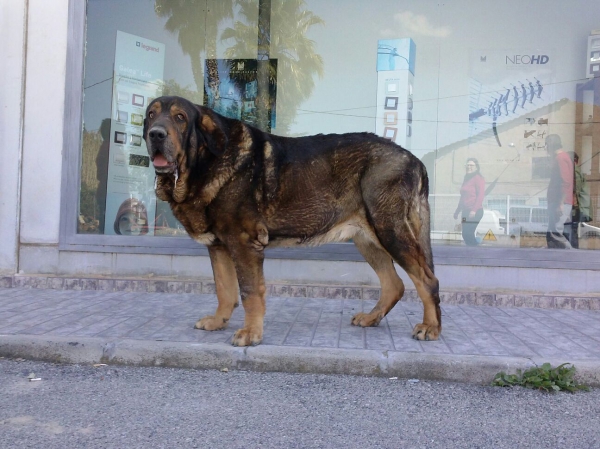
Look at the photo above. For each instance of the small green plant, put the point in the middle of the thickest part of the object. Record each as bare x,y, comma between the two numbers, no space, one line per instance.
542,377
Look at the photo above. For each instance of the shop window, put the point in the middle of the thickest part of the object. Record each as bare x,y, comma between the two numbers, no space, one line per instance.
418,73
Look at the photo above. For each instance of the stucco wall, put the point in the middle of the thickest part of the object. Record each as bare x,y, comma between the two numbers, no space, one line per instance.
43,131
12,25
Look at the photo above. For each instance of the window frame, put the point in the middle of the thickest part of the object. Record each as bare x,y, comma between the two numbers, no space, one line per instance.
70,240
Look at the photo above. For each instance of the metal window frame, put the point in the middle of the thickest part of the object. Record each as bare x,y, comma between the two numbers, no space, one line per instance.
70,240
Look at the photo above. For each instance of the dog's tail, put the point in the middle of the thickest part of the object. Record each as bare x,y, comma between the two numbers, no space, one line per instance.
424,236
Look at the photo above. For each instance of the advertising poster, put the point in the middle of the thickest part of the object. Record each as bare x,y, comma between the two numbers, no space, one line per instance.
231,89
395,80
510,86
130,198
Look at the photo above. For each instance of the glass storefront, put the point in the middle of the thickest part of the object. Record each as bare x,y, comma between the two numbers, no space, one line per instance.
474,89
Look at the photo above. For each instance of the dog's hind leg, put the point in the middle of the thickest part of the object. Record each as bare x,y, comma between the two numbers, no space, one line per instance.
411,249
427,286
226,284
405,236
418,263
392,287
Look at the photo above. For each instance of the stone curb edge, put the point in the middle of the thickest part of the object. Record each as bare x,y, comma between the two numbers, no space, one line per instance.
207,286
441,367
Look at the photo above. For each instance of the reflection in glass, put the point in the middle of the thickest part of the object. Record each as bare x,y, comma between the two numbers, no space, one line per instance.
479,92
297,60
196,33
132,218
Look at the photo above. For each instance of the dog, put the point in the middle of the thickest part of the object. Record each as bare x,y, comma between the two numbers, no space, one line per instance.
239,190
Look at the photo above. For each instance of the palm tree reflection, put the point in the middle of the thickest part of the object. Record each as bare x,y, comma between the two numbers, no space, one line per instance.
297,60
196,29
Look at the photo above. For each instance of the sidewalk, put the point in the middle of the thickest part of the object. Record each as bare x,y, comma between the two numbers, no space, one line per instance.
301,335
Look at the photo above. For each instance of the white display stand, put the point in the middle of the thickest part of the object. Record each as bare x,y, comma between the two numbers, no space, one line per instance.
395,80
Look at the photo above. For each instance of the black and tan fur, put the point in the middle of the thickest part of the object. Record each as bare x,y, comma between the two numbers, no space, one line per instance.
239,190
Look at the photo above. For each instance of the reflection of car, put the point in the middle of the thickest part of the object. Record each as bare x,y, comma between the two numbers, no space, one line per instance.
527,219
490,222
587,230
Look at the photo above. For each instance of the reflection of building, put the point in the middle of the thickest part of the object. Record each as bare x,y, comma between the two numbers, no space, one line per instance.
516,172
587,136
514,162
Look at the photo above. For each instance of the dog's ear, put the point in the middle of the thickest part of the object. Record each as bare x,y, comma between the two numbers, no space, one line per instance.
145,128
211,127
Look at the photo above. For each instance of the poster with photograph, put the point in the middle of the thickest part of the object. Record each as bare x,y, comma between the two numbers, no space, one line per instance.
231,88
130,198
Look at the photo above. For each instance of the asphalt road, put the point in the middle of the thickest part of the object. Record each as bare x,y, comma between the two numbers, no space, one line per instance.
124,407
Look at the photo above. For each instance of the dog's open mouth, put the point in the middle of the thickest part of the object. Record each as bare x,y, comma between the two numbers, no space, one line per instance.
161,164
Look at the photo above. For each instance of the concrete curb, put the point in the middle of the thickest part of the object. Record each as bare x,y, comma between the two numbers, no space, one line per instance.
446,367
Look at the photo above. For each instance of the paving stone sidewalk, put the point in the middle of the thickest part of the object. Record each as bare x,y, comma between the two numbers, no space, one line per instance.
530,333
467,330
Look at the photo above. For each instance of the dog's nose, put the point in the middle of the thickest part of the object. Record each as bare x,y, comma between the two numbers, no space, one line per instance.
157,134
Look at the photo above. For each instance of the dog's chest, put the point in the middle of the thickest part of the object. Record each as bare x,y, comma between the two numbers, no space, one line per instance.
193,219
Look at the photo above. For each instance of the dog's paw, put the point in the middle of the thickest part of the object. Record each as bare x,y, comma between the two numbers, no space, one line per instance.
246,337
424,331
261,239
262,234
211,323
366,319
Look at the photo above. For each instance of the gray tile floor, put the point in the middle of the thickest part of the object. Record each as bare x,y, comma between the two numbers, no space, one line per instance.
324,323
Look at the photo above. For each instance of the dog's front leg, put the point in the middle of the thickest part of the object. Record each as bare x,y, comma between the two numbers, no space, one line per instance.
249,267
226,284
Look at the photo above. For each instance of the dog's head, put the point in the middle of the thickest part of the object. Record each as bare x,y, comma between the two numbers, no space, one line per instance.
178,132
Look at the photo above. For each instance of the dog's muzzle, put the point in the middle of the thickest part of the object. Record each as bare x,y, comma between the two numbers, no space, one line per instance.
157,137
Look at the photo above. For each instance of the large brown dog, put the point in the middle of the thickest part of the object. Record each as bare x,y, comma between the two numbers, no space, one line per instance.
238,190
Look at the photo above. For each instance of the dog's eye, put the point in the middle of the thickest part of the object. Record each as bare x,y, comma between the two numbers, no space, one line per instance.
151,114
180,117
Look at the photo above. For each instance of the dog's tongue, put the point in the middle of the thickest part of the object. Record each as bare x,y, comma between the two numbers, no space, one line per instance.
160,161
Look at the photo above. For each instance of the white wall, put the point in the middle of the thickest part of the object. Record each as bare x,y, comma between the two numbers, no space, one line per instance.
44,111
12,23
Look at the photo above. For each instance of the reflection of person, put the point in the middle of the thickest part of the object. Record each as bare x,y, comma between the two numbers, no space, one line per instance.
581,202
132,218
560,193
472,192
102,171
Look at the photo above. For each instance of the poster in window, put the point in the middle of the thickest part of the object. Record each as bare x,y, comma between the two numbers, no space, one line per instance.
232,87
511,99
138,76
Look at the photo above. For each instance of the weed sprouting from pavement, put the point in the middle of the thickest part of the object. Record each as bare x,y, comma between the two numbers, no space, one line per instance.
543,378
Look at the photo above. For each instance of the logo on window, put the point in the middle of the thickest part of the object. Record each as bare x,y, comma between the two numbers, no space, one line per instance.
147,47
527,59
